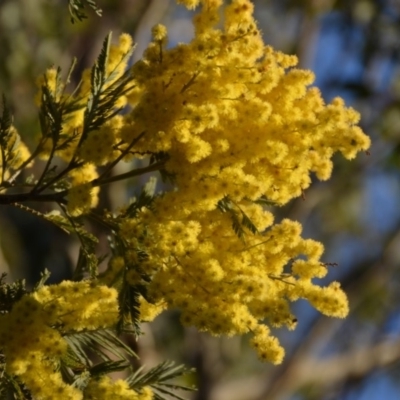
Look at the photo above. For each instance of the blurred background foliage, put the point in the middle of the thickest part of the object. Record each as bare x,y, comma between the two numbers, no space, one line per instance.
354,49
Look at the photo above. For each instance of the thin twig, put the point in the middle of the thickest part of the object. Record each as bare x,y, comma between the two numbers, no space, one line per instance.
130,174
121,156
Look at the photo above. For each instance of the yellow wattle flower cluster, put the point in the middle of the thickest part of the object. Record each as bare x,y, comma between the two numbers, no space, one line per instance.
236,115
98,150
239,122
99,146
82,196
117,271
225,285
105,388
15,152
31,335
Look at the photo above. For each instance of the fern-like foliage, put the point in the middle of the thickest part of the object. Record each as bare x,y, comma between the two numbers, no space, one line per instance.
77,9
159,379
7,141
87,260
10,293
239,218
103,97
90,354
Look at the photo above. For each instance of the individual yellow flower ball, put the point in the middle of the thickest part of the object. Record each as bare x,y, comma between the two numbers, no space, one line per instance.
190,4
159,32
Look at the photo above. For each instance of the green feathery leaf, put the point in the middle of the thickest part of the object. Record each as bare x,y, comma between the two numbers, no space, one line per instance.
103,98
158,378
107,367
76,9
10,293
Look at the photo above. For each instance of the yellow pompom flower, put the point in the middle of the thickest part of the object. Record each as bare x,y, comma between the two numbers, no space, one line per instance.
105,388
82,196
149,311
267,346
49,79
97,148
117,60
159,32
31,335
190,4
16,153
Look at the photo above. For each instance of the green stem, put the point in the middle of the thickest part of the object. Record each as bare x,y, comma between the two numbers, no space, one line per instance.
37,188
36,152
59,196
70,167
121,156
130,174
22,197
